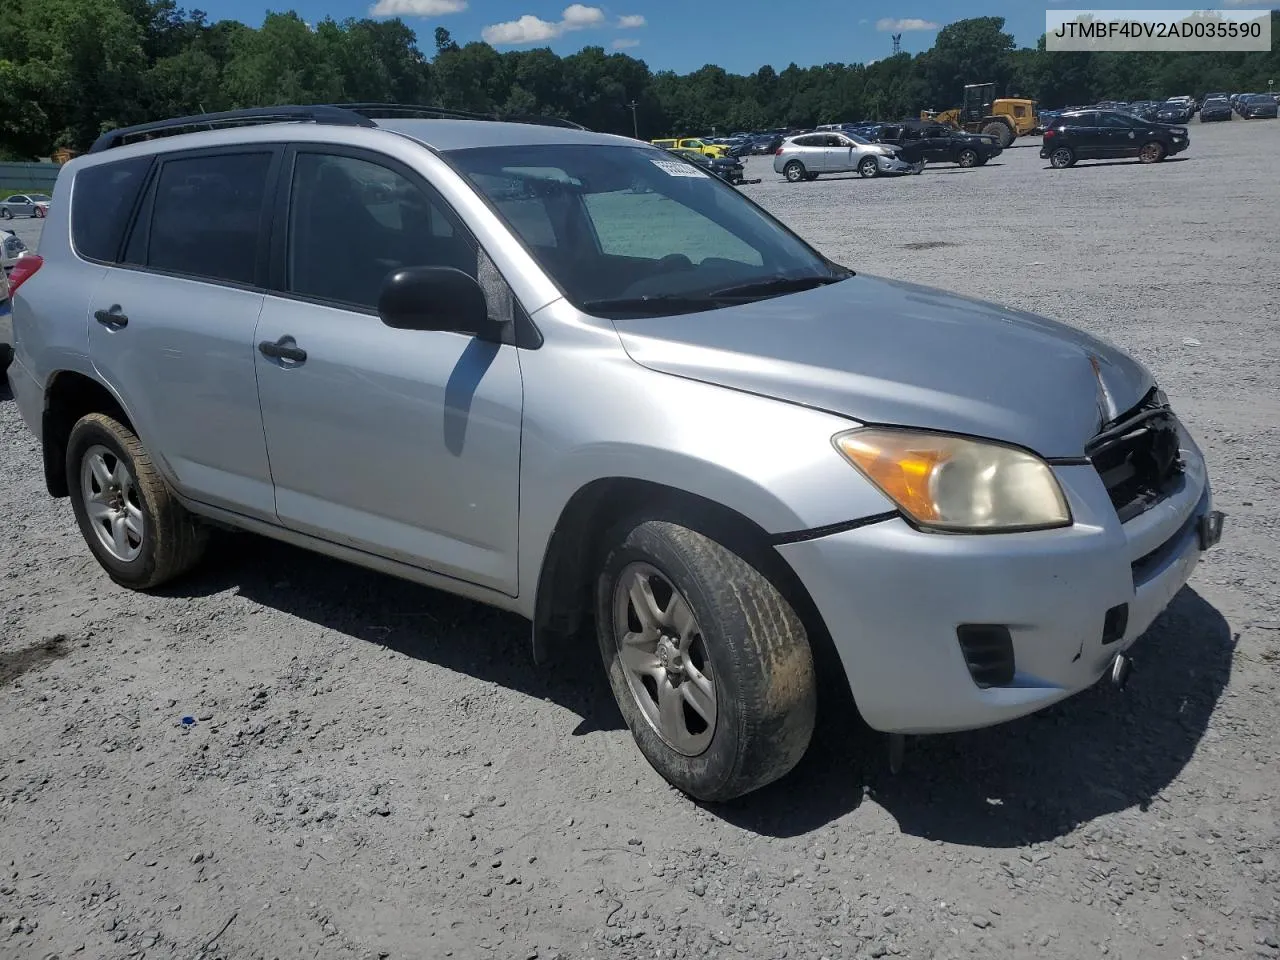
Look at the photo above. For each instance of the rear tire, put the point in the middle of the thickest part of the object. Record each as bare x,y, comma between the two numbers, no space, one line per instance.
6,213
794,171
1062,157
968,158
675,608
133,525
1152,152
6,358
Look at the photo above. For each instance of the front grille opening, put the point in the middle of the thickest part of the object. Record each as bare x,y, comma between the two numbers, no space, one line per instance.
988,653
1138,457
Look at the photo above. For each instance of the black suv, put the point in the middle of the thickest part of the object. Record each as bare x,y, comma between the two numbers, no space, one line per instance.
938,143
1105,134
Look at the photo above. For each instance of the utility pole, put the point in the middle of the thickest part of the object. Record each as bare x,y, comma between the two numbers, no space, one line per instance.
897,44
635,124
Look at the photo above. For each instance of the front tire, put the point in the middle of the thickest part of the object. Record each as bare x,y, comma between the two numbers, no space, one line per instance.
794,171
1001,131
868,168
39,213
968,158
1152,152
709,664
133,525
1062,157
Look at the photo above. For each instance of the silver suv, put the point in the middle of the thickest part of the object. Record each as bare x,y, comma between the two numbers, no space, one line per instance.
574,377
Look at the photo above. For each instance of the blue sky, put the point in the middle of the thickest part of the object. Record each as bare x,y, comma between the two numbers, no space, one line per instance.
683,35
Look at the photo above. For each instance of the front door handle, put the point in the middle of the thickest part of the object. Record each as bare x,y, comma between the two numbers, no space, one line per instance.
286,348
113,318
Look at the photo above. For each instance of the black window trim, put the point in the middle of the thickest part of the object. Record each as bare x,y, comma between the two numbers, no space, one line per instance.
521,332
144,210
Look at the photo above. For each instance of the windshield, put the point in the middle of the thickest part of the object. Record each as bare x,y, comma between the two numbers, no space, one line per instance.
855,138
41,198
629,230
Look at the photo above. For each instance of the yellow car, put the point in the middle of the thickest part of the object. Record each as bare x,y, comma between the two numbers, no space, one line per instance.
687,143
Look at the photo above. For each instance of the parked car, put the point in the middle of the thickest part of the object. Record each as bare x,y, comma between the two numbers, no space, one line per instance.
1257,106
729,168
11,248
808,156
938,143
1099,135
1215,109
691,143
766,145
24,205
557,375
1174,111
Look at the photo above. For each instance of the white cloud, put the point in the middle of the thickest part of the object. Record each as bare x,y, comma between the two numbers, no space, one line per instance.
630,21
416,8
622,43
531,29
528,29
576,16
890,25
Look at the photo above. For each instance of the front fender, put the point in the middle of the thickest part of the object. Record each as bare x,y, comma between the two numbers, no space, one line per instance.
592,413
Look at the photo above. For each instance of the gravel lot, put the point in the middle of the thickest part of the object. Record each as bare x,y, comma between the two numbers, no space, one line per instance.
378,770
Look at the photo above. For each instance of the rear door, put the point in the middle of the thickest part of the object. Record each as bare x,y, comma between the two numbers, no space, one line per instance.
1084,135
401,443
171,326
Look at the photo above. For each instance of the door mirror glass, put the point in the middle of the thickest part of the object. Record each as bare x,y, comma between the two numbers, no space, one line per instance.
436,298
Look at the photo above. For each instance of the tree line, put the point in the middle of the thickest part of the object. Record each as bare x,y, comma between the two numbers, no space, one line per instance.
70,69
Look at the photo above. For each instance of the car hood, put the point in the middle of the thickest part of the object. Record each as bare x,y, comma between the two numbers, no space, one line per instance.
887,352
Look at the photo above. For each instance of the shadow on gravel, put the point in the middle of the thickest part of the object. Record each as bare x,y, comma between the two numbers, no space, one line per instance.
1128,162
1027,781
422,623
6,393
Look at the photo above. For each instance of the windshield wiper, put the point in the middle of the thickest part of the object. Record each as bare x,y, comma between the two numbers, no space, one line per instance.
779,285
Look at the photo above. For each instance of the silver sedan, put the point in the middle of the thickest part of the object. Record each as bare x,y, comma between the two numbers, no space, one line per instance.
24,205
809,155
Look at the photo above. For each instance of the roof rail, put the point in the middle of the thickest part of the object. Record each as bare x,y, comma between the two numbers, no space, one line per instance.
371,109
231,118
338,114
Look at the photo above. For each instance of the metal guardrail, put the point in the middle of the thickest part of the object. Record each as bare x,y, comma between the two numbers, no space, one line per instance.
27,176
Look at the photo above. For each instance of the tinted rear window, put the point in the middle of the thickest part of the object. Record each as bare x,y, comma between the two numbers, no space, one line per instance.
207,214
101,202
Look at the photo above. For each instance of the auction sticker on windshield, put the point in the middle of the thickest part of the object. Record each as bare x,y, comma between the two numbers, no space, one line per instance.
676,168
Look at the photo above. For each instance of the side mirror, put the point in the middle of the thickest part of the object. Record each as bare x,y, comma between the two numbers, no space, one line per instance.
436,298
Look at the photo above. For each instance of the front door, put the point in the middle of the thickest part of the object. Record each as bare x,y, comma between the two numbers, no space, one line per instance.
1117,136
172,329
401,443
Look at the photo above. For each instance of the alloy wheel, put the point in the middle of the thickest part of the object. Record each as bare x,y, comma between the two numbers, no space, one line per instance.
112,503
664,657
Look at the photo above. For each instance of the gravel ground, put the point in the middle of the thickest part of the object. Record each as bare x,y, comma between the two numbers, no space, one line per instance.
377,770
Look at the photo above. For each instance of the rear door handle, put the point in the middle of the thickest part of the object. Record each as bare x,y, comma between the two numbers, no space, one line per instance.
286,348
111,318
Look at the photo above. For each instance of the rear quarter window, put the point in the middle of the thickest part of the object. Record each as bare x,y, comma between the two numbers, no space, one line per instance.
102,199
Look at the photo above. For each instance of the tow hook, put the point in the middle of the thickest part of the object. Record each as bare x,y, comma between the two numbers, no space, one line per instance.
1121,667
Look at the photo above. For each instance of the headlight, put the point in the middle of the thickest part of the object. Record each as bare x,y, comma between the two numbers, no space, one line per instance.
957,484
